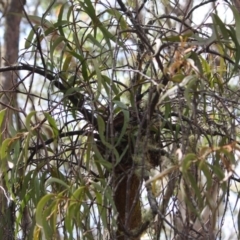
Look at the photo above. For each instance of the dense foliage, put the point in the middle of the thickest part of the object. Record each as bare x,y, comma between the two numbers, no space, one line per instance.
129,122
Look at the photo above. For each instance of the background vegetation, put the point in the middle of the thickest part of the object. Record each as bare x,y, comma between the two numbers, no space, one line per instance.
126,124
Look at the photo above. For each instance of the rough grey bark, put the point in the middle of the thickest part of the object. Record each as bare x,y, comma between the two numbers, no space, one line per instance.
8,82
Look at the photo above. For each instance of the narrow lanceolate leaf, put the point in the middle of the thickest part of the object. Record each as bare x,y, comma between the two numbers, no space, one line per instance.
99,77
56,180
125,111
187,93
102,210
35,19
206,171
40,208
5,148
95,42
101,127
2,115
222,26
66,63
187,161
30,39
28,120
206,41
234,38
83,62
237,22
194,185
120,19
102,133
52,124
37,233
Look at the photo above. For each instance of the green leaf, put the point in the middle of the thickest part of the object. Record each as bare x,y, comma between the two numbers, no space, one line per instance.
30,39
60,23
52,123
102,132
205,67
125,112
122,154
101,128
98,159
206,41
197,61
5,148
111,84
95,42
222,26
194,186
237,21
108,36
36,20
168,109
187,161
60,18
88,7
192,82
232,33
28,120
99,77
204,167
48,216
56,180
218,171
40,209
78,194
71,214
66,63
120,19
102,210
55,43
2,115
177,38
83,62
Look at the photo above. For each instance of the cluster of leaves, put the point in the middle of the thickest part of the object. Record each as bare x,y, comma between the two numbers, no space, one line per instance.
113,106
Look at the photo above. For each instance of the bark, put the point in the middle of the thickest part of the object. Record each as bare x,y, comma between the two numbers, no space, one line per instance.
128,206
236,3
8,83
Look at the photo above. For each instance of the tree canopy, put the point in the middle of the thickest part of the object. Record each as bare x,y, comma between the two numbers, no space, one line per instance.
126,124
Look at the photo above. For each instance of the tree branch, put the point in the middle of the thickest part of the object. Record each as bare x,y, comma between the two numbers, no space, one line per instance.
75,98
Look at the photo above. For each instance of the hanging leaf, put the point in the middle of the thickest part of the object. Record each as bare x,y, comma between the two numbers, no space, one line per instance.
237,22
187,161
40,209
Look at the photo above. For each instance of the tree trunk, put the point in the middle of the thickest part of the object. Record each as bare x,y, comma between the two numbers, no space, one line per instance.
8,83
128,206
236,3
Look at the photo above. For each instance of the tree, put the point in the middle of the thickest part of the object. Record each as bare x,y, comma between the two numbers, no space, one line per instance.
8,99
128,122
